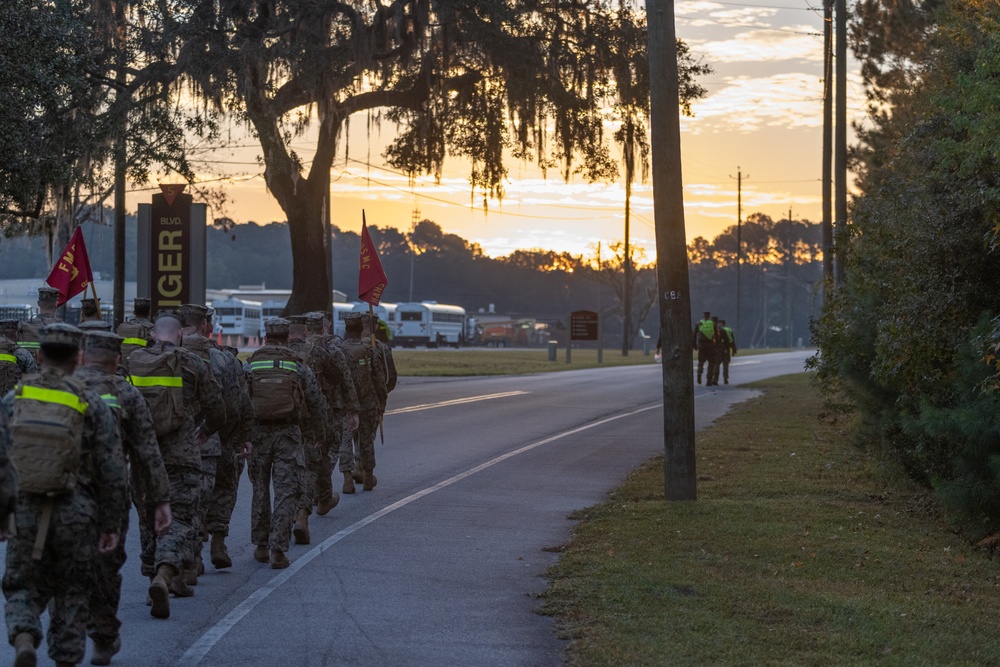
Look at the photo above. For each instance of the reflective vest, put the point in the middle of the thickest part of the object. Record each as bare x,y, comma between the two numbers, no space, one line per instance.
707,329
729,334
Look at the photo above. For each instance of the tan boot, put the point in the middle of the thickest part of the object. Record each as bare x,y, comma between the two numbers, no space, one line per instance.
279,560
370,480
159,591
348,482
260,553
24,644
179,585
301,528
191,574
219,552
324,506
103,652
358,476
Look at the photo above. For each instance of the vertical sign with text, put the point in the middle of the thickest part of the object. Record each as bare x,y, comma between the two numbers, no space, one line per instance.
170,248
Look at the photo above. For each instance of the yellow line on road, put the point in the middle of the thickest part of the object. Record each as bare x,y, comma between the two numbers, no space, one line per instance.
456,401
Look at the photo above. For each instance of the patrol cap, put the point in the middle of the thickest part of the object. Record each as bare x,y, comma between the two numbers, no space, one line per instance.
102,340
193,313
92,302
10,326
60,333
276,326
316,316
94,325
48,293
353,317
296,319
141,301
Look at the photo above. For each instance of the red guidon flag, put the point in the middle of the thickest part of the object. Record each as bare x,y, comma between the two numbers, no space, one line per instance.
71,274
371,279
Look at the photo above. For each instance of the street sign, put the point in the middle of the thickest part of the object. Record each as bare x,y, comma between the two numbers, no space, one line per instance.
583,325
171,266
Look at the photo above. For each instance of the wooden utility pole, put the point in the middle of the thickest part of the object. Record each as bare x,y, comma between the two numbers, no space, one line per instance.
827,141
627,266
739,243
840,144
121,163
671,254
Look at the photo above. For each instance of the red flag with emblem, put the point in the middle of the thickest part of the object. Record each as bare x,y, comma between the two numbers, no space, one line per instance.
371,279
71,274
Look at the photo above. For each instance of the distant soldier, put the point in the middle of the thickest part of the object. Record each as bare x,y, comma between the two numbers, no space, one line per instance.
150,485
90,310
704,343
290,411
344,407
48,299
15,362
715,358
136,330
71,503
728,347
317,487
172,381
369,375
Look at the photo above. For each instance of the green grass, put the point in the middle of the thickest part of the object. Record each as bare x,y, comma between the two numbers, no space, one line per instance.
799,551
512,362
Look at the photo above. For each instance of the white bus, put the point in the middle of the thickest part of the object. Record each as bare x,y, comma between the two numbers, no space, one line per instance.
239,319
429,323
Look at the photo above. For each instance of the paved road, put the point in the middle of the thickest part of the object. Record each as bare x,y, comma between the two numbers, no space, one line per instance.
441,563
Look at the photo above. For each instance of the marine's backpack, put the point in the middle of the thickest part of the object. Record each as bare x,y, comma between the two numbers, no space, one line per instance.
136,337
158,376
275,386
29,337
10,372
360,358
47,433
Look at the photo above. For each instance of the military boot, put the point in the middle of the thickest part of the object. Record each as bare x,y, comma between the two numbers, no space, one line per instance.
370,480
348,482
24,645
159,591
179,582
103,652
190,575
219,552
279,560
358,476
260,553
327,504
301,528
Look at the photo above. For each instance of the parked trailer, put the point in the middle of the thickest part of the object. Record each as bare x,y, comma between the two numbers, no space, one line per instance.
429,323
238,318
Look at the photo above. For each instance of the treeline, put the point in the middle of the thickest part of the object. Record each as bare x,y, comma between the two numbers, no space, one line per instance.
779,274
910,339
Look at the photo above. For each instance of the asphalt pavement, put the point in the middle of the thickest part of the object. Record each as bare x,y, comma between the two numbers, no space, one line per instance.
442,563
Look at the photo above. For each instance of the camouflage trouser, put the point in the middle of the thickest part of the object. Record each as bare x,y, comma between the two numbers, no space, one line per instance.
345,448
367,430
106,593
60,580
227,481
724,359
316,476
705,352
277,457
209,464
174,548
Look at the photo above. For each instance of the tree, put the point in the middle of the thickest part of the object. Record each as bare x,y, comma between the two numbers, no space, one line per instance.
482,81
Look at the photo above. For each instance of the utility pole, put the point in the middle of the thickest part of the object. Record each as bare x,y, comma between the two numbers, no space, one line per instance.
739,242
789,261
414,219
680,480
120,159
840,145
827,142
627,266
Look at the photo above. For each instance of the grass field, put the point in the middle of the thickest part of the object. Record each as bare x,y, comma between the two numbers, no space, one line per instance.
799,551
510,361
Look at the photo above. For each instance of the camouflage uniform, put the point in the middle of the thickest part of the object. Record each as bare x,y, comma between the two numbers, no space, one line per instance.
372,394
278,458
230,465
345,401
21,358
316,475
150,486
61,578
182,459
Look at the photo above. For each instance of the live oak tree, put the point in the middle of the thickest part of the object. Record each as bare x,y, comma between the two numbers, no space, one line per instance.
483,81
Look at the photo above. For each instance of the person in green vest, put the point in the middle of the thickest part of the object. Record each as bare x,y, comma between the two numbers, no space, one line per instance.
704,343
727,348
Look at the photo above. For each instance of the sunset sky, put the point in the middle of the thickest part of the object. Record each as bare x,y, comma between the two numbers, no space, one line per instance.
762,114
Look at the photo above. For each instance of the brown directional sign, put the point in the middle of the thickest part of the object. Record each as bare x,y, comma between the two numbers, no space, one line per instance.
170,251
583,325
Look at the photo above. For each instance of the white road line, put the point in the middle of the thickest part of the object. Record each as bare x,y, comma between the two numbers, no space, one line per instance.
200,649
457,401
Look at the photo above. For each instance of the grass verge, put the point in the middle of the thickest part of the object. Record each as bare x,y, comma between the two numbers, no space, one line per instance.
469,362
799,551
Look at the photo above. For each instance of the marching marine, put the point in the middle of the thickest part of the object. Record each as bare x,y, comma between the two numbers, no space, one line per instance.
369,377
72,481
48,301
136,330
15,361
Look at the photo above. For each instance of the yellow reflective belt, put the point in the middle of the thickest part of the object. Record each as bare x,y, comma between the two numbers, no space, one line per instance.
8,357
29,344
52,396
111,400
141,342
166,381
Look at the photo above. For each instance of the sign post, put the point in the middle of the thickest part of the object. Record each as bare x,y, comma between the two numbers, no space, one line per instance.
171,257
584,325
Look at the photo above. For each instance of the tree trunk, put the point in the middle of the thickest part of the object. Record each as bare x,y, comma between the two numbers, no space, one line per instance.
307,226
